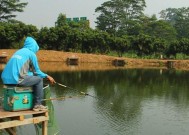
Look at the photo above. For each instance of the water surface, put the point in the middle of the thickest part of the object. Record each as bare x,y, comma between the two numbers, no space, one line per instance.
127,102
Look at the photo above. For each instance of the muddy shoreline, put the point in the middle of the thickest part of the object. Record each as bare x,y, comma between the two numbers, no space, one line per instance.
57,59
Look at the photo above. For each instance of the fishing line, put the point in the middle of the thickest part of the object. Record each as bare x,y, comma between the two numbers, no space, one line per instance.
81,92
61,98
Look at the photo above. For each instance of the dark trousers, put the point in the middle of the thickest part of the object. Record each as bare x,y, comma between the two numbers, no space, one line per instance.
37,84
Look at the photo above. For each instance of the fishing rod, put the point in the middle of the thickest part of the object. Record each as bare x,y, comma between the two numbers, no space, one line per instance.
61,98
65,86
86,94
83,93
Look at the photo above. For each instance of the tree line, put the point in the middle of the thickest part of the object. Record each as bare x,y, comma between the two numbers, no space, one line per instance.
122,28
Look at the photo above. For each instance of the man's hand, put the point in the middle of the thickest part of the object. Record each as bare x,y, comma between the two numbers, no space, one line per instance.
51,79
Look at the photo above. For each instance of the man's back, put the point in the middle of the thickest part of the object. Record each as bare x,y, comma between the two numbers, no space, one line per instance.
17,66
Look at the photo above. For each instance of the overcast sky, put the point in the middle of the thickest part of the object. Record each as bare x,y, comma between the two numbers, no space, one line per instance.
43,13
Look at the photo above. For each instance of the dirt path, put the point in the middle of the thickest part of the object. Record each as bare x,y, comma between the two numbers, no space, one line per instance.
59,56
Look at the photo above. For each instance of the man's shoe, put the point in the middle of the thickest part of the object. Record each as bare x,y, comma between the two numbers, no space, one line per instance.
40,108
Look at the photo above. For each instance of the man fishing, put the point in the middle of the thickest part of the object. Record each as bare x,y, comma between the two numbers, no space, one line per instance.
23,70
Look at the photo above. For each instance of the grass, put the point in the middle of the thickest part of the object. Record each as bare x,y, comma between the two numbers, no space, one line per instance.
179,56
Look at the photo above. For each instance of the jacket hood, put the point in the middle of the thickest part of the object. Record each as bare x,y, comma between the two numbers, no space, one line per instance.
31,44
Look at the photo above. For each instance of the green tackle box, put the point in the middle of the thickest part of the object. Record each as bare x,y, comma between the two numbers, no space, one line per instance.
17,98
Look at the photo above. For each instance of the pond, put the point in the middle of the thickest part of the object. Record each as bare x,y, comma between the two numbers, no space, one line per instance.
120,102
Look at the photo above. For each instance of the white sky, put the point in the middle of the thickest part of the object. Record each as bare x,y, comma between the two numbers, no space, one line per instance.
43,13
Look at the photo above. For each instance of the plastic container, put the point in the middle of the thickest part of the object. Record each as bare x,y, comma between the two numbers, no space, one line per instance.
18,98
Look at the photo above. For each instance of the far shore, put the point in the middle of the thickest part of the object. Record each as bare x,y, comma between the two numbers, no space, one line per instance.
94,61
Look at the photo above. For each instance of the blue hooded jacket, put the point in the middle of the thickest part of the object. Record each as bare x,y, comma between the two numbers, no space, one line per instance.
22,63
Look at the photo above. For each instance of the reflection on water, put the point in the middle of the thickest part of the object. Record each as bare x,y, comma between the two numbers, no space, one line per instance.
144,102
132,102
62,66
53,128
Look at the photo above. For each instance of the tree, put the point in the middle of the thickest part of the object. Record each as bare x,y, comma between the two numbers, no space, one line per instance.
7,7
121,45
183,46
179,19
160,29
89,42
61,20
172,49
74,40
118,16
12,34
159,46
143,45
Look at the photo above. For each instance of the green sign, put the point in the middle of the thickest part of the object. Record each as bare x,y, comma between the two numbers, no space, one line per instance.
76,19
68,19
83,18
